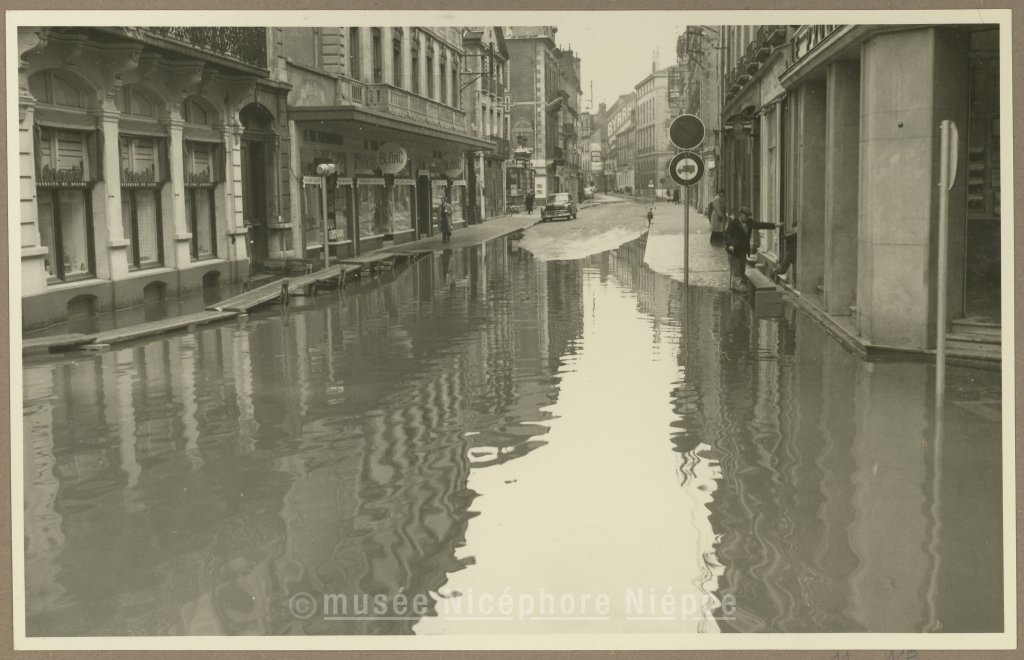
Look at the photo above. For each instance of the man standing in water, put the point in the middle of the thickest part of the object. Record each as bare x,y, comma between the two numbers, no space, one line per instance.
737,244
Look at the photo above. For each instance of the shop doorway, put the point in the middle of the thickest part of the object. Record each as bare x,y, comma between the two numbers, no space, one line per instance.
983,266
423,208
257,135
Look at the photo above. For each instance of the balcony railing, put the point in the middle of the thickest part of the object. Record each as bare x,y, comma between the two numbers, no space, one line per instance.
808,37
501,146
394,101
742,77
558,155
245,44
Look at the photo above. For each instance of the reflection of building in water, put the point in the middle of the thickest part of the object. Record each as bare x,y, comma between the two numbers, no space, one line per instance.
201,480
824,496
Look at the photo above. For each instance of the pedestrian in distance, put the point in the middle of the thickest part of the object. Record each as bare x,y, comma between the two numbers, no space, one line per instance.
737,245
717,218
445,213
529,203
650,218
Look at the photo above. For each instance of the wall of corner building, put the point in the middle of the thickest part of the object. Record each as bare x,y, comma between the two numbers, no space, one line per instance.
114,285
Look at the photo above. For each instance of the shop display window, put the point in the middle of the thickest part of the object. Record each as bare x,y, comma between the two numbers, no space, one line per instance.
65,227
402,208
371,211
312,213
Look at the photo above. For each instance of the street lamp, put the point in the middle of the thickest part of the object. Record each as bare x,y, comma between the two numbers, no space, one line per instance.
325,170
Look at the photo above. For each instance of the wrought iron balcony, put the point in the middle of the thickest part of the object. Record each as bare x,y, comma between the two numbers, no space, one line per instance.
742,77
245,44
558,155
395,101
569,130
775,35
501,146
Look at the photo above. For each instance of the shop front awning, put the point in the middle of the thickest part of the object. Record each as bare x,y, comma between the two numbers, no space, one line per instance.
342,117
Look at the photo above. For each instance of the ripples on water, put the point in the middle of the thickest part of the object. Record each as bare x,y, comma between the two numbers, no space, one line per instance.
480,417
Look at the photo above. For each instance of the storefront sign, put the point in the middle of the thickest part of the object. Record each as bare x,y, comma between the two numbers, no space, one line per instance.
452,164
391,158
405,182
365,162
367,181
323,137
344,181
311,181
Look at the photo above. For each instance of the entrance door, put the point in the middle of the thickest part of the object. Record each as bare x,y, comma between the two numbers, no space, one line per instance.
254,198
981,277
423,206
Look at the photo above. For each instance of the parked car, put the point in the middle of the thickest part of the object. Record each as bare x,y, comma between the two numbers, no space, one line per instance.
588,193
559,206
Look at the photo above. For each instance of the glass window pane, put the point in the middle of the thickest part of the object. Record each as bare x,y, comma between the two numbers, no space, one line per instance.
342,213
74,233
64,93
145,158
70,150
141,106
37,87
458,203
370,210
203,221
146,202
402,217
46,235
126,223
313,214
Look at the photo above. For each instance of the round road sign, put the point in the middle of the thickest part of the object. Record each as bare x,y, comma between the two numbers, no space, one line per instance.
686,131
686,168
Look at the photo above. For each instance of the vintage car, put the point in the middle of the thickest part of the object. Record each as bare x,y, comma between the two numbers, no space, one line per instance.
559,206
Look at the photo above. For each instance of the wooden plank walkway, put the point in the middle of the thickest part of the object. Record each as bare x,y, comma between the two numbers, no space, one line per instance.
159,327
373,261
264,294
56,342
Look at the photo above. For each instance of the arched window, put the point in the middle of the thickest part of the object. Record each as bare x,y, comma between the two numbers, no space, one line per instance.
430,70
415,63
444,78
52,88
194,113
131,101
396,57
355,60
378,56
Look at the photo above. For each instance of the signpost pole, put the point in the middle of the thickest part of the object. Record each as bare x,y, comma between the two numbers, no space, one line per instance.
686,239
947,166
323,212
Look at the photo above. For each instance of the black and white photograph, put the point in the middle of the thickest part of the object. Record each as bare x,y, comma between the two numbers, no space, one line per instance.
512,330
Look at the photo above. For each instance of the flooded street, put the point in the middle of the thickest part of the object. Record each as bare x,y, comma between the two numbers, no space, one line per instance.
482,422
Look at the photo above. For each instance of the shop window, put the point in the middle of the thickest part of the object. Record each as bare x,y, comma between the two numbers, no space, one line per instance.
370,200
458,203
65,227
201,174
313,219
141,181
355,61
339,216
52,88
402,208
63,181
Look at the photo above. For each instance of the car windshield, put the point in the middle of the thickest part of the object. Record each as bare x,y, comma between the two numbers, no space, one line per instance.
558,198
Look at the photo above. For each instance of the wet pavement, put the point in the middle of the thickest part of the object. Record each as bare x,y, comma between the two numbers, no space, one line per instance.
491,421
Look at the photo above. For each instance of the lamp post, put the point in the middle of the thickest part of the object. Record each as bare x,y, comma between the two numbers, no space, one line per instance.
522,154
325,170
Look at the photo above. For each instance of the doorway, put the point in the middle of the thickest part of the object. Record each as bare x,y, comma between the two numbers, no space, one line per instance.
254,202
423,206
983,264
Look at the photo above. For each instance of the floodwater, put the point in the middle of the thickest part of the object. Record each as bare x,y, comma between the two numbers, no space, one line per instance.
481,429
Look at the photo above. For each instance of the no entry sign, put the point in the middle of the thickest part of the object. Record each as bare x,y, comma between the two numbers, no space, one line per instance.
686,131
686,168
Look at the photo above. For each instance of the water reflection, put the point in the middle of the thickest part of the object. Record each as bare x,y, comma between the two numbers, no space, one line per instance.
480,419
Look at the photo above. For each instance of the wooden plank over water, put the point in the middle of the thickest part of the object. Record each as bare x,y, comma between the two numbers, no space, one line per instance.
264,294
160,327
56,342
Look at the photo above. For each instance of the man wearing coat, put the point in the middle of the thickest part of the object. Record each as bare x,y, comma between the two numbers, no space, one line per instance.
737,244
